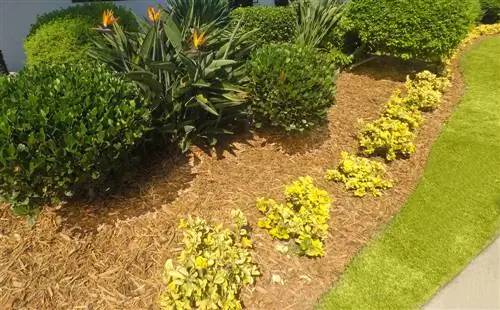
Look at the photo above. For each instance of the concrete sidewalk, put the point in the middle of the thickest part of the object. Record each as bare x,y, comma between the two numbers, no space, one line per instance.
476,287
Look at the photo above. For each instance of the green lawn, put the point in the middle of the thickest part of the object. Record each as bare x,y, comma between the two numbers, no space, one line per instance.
452,215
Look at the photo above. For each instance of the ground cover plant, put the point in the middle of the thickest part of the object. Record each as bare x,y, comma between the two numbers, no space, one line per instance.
398,109
64,128
213,266
413,29
303,217
429,242
361,175
387,137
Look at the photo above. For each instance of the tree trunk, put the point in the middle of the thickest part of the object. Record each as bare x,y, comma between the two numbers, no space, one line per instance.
3,66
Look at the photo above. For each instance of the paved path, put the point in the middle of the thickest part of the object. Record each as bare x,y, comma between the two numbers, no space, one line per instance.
477,287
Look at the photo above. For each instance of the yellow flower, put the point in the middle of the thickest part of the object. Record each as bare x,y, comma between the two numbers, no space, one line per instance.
108,18
153,14
198,39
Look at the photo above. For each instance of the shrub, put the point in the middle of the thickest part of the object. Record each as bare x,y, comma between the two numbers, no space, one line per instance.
60,41
490,11
292,86
361,175
398,109
387,137
195,76
418,29
273,24
64,129
65,35
212,268
304,217
91,12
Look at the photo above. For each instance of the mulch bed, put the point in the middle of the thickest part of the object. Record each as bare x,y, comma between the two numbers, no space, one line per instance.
109,254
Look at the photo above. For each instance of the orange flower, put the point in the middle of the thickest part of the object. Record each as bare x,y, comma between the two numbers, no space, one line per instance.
108,18
153,14
198,39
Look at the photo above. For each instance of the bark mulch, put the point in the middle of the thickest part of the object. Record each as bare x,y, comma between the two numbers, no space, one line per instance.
109,253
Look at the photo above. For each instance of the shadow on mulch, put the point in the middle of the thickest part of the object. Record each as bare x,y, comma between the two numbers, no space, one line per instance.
394,69
154,181
295,143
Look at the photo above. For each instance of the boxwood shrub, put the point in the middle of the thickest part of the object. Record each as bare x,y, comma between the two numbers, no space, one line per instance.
292,86
413,29
64,129
60,41
64,35
275,24
91,12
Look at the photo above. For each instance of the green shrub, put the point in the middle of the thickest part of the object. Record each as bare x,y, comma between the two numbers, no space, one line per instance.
274,24
397,108
387,137
361,175
60,41
212,268
413,29
490,10
292,86
304,217
91,12
194,74
65,35
64,129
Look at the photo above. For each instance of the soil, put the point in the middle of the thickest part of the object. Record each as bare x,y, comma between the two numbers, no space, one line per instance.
109,253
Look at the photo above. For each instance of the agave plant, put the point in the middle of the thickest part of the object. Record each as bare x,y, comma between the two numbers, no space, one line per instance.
194,73
316,19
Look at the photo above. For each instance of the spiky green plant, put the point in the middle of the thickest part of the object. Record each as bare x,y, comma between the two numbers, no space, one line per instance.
199,12
316,19
194,73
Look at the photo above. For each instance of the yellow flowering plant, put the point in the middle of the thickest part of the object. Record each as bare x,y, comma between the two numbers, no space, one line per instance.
213,267
387,137
303,217
361,175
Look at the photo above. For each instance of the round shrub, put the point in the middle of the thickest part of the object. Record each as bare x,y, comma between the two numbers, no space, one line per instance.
60,41
64,35
91,12
64,129
413,29
274,24
292,86
490,10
